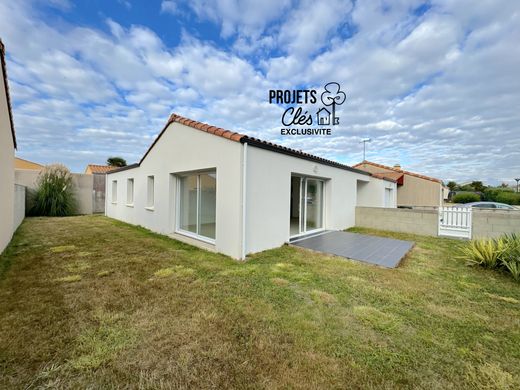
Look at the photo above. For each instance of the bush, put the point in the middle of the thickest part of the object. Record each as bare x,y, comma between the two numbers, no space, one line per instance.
54,196
512,198
466,197
495,253
490,194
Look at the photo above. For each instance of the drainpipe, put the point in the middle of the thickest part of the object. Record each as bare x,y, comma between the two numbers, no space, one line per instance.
244,193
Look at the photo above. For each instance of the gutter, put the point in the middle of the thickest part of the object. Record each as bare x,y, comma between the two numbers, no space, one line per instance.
244,201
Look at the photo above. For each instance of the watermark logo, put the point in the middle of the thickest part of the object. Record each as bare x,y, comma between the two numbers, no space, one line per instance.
296,115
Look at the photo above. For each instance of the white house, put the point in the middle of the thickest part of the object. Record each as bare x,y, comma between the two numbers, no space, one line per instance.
235,194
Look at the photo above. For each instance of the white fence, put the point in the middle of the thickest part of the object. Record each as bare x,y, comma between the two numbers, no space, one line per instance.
455,222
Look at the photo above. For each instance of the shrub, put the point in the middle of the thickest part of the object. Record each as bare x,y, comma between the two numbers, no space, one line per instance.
54,195
466,197
512,198
502,252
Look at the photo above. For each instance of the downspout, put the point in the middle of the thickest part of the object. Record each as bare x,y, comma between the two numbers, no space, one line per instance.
244,203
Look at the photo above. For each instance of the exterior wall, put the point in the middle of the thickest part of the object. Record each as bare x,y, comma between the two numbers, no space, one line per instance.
486,223
493,223
6,168
183,149
371,193
398,220
19,206
83,187
419,192
99,193
269,190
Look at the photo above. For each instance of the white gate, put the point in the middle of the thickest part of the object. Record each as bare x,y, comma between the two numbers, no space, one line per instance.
455,222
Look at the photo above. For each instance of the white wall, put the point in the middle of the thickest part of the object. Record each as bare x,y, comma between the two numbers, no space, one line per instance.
6,170
182,149
268,196
19,206
371,193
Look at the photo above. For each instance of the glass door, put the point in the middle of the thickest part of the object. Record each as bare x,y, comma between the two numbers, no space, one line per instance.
306,204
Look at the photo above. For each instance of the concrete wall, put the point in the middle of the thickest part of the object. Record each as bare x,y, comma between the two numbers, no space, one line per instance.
398,220
83,187
6,168
486,223
493,223
419,192
19,206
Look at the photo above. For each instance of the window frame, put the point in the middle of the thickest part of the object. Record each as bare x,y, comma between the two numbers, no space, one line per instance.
114,192
178,228
150,200
128,192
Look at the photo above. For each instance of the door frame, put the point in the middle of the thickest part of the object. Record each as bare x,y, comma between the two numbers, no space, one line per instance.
302,217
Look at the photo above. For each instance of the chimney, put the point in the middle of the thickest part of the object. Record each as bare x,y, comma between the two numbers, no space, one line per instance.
397,166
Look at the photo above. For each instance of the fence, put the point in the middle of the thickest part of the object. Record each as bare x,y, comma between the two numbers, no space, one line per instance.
425,221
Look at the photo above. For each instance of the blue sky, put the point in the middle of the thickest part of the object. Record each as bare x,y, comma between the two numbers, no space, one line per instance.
434,84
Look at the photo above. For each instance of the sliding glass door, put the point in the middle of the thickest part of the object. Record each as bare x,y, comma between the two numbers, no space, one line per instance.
306,212
197,204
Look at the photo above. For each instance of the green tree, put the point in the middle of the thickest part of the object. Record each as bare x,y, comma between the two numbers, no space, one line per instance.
451,185
116,162
478,186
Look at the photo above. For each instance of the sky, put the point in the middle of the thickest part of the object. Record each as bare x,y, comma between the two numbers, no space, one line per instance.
435,84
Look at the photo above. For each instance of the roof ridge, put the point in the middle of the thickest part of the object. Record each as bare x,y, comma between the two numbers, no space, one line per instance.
399,170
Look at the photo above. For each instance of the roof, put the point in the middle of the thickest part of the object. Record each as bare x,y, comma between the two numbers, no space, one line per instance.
396,170
22,163
6,84
242,138
94,168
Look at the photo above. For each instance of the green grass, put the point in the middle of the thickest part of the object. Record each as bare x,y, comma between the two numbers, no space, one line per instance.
89,302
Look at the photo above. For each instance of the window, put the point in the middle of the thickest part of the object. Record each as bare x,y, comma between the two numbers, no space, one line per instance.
130,192
150,192
114,191
197,204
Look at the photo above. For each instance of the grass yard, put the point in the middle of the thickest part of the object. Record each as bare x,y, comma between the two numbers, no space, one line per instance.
92,302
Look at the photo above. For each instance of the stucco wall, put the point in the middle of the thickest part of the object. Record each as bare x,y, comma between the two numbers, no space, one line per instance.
6,170
19,206
486,223
398,220
83,187
419,192
269,189
493,223
183,149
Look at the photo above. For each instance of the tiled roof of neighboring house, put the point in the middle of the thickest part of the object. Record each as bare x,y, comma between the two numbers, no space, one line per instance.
6,84
21,163
397,170
395,176
238,137
94,168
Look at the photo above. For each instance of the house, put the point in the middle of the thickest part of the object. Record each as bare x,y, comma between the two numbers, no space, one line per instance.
93,169
20,163
7,148
323,116
413,189
235,194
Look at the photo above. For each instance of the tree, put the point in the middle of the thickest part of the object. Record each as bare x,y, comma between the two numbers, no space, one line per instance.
116,162
452,185
478,186
54,196
504,185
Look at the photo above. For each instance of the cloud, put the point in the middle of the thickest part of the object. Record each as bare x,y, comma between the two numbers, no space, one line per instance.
168,6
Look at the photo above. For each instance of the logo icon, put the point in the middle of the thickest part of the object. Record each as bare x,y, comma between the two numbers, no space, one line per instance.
332,96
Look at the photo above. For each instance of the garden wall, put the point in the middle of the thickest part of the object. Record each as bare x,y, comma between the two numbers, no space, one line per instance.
486,223
83,188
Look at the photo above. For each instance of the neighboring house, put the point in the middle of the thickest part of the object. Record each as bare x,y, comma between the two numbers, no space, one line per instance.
93,169
20,163
8,221
234,194
413,189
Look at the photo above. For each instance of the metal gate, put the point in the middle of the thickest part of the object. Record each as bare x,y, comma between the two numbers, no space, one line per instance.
455,222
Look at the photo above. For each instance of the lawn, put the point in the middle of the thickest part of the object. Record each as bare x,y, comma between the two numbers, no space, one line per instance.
92,302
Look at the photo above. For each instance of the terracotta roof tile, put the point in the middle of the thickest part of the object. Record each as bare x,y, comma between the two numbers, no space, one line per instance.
397,170
94,168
